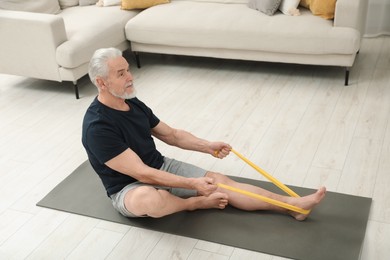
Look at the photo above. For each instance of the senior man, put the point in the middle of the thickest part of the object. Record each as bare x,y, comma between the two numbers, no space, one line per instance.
118,131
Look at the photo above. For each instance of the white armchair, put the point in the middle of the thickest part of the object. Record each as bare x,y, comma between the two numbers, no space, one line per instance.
58,47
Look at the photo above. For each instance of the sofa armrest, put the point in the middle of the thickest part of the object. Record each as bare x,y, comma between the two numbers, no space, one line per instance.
29,42
351,13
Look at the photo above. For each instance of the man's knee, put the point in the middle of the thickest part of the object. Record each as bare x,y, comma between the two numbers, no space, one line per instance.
219,178
143,200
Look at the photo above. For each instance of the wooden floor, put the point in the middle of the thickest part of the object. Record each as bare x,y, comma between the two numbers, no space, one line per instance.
300,123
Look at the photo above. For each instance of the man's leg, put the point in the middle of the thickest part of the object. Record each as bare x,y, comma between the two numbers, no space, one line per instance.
243,202
147,200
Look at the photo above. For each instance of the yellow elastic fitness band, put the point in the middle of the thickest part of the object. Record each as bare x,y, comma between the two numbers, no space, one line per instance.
273,180
268,200
268,176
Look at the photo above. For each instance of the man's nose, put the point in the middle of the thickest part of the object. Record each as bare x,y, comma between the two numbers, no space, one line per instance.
129,76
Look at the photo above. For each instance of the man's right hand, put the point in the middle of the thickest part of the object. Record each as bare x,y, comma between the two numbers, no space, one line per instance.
205,185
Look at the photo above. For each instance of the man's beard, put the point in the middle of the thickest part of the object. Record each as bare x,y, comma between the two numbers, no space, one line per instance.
131,95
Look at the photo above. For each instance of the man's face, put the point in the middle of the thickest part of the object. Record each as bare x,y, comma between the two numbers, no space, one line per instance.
120,81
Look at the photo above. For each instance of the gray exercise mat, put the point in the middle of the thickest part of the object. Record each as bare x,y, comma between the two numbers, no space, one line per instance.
334,230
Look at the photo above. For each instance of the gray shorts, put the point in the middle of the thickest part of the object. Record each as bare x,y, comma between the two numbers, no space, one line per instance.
170,165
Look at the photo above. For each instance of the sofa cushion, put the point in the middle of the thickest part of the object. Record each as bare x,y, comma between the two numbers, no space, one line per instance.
89,28
269,7
237,27
42,6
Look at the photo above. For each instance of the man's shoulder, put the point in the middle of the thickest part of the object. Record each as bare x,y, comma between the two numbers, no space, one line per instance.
95,114
136,101
139,104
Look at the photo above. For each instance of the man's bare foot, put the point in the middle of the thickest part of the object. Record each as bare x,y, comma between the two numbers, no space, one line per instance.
307,202
216,200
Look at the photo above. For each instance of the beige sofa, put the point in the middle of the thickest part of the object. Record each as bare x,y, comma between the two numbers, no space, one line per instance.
59,46
229,29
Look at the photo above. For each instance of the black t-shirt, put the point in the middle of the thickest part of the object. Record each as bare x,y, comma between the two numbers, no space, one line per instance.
108,132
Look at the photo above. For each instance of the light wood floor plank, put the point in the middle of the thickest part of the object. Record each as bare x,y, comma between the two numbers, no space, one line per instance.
137,243
240,254
360,170
376,245
31,234
62,241
200,254
172,247
340,130
214,248
96,245
381,206
10,222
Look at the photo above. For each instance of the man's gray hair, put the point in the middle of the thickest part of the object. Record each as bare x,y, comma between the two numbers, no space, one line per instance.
98,66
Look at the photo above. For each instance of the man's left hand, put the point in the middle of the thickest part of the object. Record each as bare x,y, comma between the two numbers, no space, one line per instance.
219,149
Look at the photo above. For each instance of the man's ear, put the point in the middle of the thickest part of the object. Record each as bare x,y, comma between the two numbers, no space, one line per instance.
101,82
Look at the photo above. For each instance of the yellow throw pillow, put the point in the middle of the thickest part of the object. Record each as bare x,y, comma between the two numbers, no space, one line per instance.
323,8
141,4
305,3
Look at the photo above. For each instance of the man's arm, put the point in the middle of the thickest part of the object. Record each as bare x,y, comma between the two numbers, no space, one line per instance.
188,141
130,164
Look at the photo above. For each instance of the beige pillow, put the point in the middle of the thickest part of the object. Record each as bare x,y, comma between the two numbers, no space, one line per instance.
141,4
68,3
289,7
108,2
36,6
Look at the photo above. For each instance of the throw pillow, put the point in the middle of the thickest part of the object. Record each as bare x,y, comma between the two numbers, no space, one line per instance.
108,2
323,8
42,6
269,7
87,2
68,3
141,4
289,7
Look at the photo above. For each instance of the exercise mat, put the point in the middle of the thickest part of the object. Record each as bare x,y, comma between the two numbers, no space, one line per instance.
334,230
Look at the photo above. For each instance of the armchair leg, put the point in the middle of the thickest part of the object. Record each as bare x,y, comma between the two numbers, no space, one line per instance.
136,54
76,89
346,76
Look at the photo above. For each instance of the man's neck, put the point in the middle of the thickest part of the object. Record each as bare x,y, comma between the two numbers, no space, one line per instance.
113,102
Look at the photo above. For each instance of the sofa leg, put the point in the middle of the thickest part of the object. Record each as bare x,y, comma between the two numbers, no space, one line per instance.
76,89
136,54
346,76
